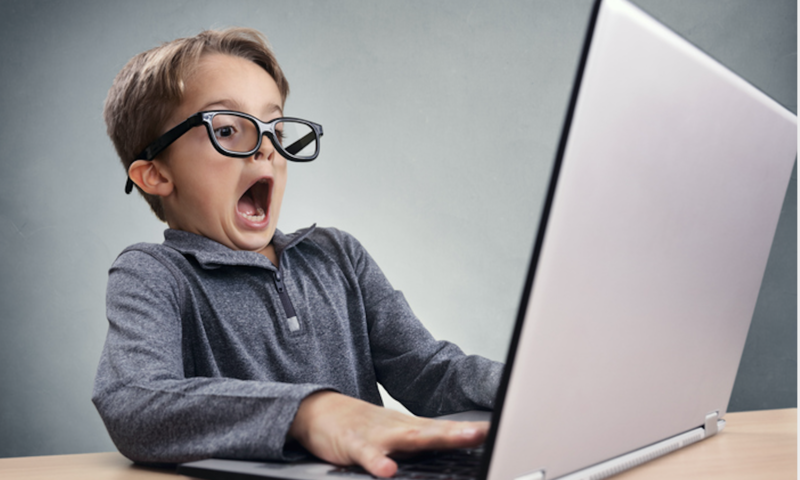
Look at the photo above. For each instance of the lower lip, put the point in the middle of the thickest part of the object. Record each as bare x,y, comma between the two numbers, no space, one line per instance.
250,224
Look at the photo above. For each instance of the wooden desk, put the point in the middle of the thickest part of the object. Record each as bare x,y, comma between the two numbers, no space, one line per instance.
761,444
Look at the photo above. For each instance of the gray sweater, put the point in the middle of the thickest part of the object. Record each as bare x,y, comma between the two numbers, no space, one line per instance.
210,351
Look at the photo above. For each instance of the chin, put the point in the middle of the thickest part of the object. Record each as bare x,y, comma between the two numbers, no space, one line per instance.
254,242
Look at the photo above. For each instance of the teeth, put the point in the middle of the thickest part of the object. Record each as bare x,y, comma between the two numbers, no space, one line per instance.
256,217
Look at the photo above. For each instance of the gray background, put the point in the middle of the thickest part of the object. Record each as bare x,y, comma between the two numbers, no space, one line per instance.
441,121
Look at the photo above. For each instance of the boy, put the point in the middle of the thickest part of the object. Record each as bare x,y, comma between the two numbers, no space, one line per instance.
232,339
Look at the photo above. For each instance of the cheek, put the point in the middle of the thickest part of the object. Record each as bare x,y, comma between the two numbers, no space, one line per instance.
277,195
279,178
210,189
209,185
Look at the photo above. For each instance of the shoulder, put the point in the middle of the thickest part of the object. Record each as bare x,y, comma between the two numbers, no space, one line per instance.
336,243
147,263
330,237
146,276
145,256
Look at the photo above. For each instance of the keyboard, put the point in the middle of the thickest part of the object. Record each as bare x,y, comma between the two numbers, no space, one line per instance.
463,464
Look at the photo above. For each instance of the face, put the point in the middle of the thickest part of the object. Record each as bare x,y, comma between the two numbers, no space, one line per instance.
234,201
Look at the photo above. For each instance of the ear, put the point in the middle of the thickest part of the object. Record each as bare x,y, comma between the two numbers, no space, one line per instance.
151,177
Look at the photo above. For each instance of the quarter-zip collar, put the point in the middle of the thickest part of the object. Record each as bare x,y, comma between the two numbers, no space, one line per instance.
211,254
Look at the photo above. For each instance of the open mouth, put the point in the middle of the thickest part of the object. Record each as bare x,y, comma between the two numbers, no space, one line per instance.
254,203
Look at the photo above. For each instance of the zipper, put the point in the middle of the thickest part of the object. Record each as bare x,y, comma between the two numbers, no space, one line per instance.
291,317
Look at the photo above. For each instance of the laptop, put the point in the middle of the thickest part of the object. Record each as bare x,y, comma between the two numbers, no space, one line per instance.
662,205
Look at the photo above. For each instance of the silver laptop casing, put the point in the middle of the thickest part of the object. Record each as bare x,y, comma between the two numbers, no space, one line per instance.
662,211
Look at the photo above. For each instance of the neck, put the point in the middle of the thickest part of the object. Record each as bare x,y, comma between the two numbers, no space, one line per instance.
269,252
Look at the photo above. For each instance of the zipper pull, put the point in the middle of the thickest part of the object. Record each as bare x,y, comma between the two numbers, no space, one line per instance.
291,317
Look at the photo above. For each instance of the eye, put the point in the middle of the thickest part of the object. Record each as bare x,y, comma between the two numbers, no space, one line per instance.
224,131
279,136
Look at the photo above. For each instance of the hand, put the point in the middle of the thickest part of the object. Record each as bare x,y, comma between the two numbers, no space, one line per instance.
346,431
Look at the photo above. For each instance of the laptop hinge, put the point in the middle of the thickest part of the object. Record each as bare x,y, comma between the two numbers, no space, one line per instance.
711,423
537,475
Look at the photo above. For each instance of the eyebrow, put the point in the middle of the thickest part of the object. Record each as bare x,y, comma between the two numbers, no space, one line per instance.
230,104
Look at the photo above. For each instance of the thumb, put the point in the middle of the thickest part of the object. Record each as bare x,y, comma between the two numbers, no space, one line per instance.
375,462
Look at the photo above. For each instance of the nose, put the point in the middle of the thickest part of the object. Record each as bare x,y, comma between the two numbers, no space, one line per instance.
266,151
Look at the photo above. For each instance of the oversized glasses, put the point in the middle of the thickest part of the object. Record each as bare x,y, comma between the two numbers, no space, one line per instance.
238,134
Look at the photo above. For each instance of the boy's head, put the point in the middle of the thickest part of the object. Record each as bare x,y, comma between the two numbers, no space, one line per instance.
204,182
150,87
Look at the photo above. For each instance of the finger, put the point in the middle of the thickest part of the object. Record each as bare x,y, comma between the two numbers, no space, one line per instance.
463,435
474,432
375,462
437,434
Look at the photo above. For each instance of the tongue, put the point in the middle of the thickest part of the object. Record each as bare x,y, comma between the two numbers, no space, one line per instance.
247,205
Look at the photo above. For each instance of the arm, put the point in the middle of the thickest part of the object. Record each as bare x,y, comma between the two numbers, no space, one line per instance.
153,413
430,377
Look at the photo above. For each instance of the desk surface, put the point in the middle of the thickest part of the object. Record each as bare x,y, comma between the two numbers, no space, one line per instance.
760,444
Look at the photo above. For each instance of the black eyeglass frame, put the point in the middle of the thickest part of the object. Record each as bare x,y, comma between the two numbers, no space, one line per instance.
264,128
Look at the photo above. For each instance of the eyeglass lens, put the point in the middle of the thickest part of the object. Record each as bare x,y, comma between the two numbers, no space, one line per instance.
240,134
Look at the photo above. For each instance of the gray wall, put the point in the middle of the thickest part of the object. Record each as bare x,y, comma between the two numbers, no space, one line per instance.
441,120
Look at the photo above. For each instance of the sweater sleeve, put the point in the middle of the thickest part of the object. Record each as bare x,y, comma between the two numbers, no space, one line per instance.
152,411
429,377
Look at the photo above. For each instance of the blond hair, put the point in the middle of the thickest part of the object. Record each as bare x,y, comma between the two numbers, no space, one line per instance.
151,86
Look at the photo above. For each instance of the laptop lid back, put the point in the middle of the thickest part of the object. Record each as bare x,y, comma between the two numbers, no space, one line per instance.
664,201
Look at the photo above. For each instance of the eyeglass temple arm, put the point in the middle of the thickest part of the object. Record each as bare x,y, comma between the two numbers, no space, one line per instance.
164,141
294,148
